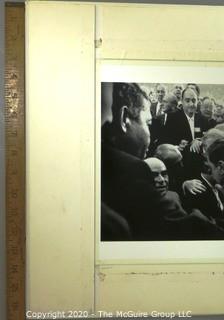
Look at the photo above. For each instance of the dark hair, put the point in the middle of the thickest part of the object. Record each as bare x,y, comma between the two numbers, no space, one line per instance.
160,85
187,88
206,98
129,95
216,151
196,88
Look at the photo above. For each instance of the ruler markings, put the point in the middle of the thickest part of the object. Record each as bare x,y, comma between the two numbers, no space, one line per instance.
15,159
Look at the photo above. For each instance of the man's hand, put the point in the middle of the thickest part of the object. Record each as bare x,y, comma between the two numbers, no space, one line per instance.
182,145
195,146
193,186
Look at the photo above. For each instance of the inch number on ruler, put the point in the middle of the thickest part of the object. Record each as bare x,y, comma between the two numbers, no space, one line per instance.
15,158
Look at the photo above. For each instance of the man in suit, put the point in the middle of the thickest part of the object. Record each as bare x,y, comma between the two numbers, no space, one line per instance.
211,201
207,113
157,107
215,157
185,126
172,158
219,113
160,175
127,185
125,179
170,104
177,91
199,164
161,184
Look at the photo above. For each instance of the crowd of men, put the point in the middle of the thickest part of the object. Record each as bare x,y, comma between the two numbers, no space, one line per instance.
162,165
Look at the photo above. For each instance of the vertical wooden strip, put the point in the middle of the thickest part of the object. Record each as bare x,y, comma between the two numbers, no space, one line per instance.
15,159
2,167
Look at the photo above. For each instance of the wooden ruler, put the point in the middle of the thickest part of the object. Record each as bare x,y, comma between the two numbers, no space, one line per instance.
15,158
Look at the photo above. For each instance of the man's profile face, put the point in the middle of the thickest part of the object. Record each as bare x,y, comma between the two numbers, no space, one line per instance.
160,91
217,172
138,133
207,108
190,102
206,143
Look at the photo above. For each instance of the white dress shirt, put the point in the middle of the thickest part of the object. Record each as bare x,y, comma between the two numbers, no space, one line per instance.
215,191
158,107
191,123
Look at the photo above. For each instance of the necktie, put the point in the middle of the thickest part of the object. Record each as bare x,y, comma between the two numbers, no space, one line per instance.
191,123
160,111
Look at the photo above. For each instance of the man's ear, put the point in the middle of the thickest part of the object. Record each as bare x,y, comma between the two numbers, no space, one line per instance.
221,165
124,119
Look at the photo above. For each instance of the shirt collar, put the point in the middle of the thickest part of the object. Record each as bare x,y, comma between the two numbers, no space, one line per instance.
209,183
189,118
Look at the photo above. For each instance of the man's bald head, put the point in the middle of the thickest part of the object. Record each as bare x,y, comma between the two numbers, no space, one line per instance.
160,175
169,154
170,103
189,100
207,107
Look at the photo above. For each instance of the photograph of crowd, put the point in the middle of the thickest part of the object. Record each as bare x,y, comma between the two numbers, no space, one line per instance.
162,161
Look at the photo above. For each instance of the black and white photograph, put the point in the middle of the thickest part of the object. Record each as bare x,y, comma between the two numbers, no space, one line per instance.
162,161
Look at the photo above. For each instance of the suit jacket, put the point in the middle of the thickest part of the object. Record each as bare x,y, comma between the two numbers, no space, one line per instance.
113,225
206,201
157,133
153,109
177,128
158,128
194,163
207,124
